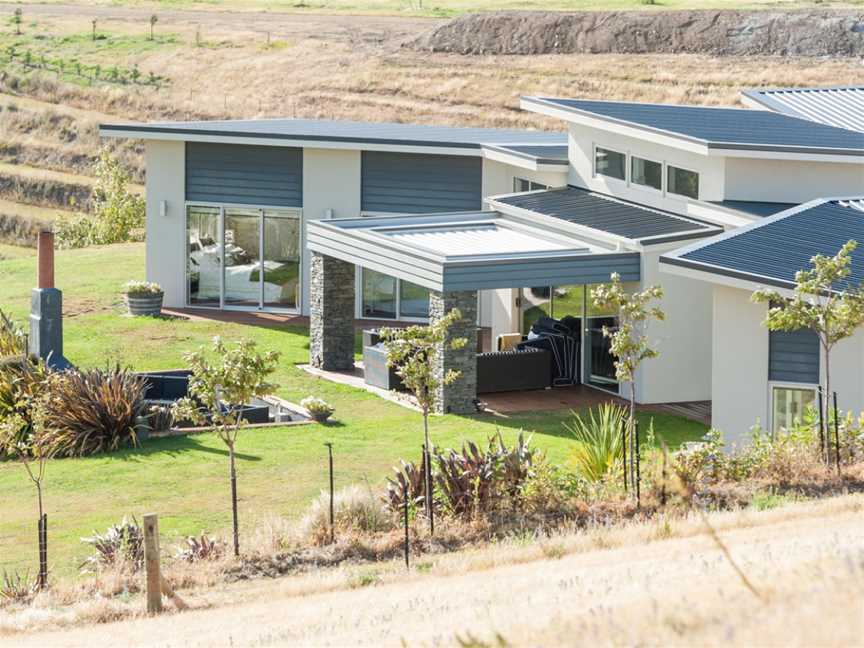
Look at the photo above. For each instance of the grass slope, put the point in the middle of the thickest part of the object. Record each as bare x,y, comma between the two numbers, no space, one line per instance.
184,479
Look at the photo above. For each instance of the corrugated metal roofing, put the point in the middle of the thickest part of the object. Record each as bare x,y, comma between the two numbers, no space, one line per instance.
345,131
720,128
479,238
542,154
772,251
753,207
842,107
607,214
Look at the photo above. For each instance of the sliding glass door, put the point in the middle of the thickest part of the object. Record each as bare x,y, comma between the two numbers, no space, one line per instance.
243,258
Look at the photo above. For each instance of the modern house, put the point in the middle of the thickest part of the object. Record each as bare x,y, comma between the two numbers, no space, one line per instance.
342,220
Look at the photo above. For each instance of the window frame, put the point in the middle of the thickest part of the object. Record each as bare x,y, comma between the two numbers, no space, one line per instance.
668,192
358,299
222,206
644,187
532,185
783,384
596,174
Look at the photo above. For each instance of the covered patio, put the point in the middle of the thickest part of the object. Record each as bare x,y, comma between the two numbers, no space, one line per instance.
453,256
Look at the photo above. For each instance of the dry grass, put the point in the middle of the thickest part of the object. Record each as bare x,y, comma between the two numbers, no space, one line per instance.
661,581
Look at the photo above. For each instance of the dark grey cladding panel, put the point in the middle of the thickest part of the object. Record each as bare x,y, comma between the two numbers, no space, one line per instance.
602,213
242,174
793,356
581,269
722,127
411,183
776,250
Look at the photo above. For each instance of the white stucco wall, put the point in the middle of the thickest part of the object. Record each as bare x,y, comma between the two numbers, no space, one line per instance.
498,177
739,382
583,140
166,235
791,181
682,372
331,181
847,372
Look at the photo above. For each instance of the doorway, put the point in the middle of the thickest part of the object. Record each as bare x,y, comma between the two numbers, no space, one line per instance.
243,258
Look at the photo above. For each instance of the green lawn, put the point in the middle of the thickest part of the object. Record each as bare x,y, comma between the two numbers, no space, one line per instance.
184,479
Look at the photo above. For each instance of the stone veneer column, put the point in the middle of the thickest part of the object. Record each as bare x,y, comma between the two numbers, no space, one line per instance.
331,313
458,397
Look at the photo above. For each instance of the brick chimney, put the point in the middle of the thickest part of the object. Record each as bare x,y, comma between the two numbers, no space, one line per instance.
46,309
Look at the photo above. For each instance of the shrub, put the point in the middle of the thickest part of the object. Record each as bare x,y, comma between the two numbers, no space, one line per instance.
118,214
411,476
203,547
474,481
356,510
92,411
17,588
142,288
598,440
22,383
120,544
13,339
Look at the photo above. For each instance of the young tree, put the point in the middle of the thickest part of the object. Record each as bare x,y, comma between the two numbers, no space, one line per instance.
34,454
822,301
221,384
153,20
17,18
629,345
413,352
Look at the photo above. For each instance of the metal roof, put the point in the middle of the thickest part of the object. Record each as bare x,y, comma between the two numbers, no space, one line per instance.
771,251
541,154
476,238
338,131
718,128
754,207
603,213
842,106
470,251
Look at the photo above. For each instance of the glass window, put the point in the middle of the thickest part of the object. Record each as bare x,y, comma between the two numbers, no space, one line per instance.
646,172
379,295
242,257
203,262
521,184
682,182
413,300
281,258
610,163
789,404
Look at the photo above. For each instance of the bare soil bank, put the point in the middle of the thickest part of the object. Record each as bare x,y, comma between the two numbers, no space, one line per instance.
719,33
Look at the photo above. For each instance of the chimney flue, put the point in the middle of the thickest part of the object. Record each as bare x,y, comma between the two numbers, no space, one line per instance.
45,276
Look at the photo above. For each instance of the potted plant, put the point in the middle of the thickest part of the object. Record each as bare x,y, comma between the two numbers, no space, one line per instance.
320,410
144,298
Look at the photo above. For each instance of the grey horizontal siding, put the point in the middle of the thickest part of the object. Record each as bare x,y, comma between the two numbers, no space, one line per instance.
793,356
585,269
241,174
590,209
410,183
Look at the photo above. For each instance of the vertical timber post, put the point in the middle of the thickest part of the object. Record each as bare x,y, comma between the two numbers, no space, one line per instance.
836,434
43,552
151,563
405,511
638,459
332,506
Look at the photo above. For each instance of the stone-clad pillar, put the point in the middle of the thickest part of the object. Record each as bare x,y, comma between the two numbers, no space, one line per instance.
331,313
46,309
457,397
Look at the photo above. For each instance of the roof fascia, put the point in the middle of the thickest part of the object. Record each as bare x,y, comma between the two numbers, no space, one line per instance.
728,278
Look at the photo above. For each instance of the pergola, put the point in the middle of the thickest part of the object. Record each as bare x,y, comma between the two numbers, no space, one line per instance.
454,256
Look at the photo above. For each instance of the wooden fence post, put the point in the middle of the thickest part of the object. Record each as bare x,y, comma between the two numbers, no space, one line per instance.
151,563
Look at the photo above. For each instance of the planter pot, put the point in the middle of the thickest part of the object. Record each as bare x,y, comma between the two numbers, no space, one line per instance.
145,304
320,417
